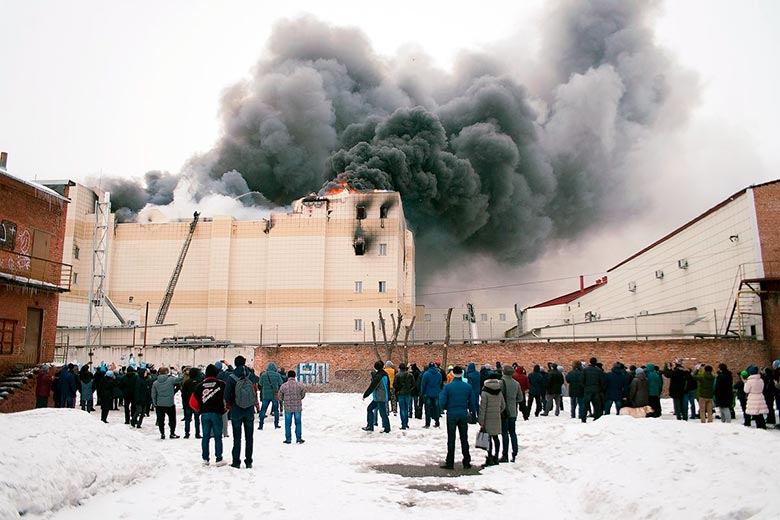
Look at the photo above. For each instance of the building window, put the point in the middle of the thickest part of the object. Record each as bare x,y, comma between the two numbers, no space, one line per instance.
358,286
75,278
383,212
382,249
76,251
502,317
7,331
382,286
427,317
358,324
465,317
360,212
483,317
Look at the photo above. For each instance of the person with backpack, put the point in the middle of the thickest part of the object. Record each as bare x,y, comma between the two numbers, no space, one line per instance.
208,399
270,381
241,399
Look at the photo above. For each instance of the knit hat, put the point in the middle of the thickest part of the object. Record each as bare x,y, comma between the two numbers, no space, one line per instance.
744,373
640,370
389,363
752,370
560,368
432,365
457,370
379,365
110,373
508,370
218,365
776,363
211,370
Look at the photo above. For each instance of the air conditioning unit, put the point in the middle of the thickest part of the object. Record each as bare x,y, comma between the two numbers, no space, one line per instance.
643,313
632,286
682,263
659,274
592,316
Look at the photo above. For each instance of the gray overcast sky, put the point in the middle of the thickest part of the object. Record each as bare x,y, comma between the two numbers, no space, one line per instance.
120,88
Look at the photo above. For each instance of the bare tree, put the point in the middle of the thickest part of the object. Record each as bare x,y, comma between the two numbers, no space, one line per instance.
409,329
447,338
373,334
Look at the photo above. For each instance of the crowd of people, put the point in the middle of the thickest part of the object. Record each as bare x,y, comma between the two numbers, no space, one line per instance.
494,397
211,399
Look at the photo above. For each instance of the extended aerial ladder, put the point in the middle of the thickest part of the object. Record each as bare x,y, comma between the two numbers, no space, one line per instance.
166,302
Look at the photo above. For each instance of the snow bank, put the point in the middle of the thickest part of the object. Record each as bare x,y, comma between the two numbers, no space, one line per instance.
614,468
51,458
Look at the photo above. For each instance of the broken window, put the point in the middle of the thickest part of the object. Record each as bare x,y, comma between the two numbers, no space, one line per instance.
383,212
360,212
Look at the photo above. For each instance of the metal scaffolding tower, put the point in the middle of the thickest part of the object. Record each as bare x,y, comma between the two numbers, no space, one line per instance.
98,272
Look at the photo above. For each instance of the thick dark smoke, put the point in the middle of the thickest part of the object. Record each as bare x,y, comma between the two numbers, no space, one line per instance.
485,165
129,196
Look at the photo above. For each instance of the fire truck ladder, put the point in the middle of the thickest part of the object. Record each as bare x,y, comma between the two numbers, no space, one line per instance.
166,302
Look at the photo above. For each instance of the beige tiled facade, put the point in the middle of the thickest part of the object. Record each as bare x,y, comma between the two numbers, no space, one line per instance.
290,279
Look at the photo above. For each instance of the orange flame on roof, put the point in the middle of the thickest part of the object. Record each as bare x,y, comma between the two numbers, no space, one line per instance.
344,187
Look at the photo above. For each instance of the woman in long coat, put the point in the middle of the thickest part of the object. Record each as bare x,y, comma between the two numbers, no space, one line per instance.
756,404
491,407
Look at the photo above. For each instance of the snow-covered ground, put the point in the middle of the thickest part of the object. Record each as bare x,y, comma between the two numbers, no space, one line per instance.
67,465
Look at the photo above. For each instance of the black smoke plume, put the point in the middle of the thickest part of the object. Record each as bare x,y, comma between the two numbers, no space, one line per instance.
485,165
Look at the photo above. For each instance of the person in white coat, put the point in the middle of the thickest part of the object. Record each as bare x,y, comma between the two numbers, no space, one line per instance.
756,404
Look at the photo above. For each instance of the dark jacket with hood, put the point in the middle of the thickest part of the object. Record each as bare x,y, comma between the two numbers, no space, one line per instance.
576,386
537,381
189,386
142,393
638,392
473,378
616,383
677,381
724,389
522,378
430,382
593,379
554,381
270,381
403,384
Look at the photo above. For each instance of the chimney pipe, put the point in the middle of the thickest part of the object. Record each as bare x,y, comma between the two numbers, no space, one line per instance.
582,284
3,159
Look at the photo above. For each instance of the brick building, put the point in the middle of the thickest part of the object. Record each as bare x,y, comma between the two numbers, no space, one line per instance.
32,226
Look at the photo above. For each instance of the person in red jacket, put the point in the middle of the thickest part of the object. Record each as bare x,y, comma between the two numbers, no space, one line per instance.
522,379
208,398
43,387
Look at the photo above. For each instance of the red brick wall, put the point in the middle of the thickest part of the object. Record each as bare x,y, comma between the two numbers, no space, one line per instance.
345,360
767,200
30,210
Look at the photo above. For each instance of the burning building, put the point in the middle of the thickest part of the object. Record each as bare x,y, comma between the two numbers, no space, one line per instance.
319,273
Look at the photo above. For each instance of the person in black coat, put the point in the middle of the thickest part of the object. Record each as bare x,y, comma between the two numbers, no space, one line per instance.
142,396
128,393
594,384
537,388
106,394
724,393
554,385
576,388
678,384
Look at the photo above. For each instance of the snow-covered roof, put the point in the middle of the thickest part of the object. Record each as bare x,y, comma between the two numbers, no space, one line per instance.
35,185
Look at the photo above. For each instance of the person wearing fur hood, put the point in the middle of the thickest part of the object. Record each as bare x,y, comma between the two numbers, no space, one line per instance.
491,407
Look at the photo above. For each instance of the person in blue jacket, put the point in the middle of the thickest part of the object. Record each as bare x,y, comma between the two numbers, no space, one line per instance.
617,384
379,390
476,389
430,386
537,381
456,398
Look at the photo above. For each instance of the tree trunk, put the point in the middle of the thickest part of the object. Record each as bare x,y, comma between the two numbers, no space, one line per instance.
409,329
447,338
373,334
